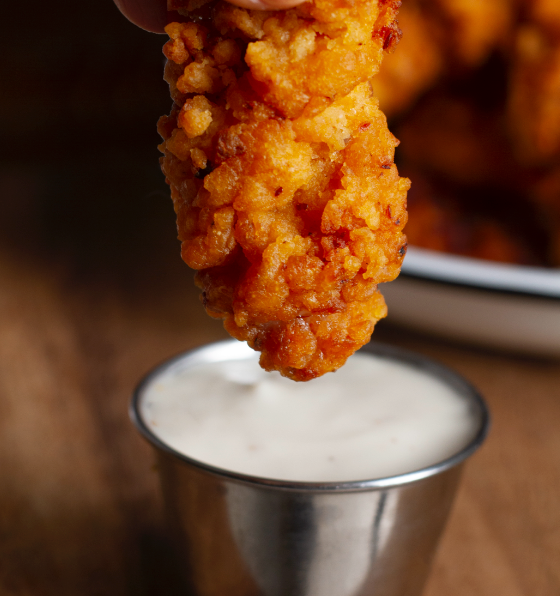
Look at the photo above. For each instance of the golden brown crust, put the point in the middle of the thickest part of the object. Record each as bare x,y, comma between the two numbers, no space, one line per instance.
281,170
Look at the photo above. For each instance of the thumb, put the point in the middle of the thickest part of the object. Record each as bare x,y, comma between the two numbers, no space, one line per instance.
267,4
150,15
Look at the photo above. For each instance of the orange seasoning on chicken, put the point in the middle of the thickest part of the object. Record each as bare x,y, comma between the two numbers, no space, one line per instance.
280,163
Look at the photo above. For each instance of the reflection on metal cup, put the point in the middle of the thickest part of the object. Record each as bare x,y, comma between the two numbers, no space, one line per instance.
240,535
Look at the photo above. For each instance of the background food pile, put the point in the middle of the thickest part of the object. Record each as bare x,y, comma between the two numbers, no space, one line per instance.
473,93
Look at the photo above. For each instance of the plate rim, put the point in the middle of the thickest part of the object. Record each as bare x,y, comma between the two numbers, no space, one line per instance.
455,270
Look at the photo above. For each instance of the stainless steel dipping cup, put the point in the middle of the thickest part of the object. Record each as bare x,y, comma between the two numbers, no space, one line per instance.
240,535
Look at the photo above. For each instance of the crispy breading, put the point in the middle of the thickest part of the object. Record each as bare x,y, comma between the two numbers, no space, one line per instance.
281,170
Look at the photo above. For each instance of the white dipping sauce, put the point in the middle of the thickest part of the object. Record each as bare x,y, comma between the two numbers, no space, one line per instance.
373,418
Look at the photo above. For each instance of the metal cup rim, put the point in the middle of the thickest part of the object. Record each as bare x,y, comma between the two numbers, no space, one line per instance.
432,367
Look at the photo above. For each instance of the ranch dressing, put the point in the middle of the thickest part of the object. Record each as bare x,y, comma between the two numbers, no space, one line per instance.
373,418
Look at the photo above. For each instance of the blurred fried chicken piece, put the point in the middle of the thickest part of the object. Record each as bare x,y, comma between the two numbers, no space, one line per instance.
281,170
440,38
439,221
450,137
473,28
545,14
534,99
545,194
417,64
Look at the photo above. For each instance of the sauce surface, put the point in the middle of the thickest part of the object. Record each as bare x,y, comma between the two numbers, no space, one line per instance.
373,418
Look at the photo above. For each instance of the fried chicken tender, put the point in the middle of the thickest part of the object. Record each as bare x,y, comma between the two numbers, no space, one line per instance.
280,163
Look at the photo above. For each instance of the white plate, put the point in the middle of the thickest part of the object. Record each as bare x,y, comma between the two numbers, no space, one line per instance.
498,305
